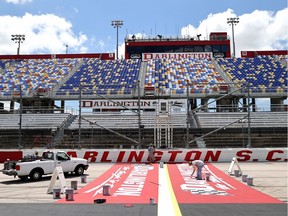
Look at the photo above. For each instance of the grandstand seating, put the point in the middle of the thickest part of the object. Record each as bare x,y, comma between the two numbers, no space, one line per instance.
103,77
264,73
118,121
32,74
33,121
171,76
275,124
206,120
5,63
257,119
282,58
119,77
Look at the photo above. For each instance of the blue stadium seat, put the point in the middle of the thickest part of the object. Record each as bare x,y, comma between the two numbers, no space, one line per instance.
32,74
104,77
264,73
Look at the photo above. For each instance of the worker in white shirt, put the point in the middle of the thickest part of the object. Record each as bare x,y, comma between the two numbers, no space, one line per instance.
197,165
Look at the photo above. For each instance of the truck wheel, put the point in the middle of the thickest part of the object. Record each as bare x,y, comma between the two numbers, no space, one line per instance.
79,170
35,175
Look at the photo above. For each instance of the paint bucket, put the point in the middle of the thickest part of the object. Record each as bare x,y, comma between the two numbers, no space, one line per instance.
83,179
56,193
250,181
207,176
161,164
106,190
244,178
69,194
237,173
74,185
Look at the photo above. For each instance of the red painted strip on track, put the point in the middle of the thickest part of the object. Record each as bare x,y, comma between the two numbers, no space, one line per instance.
130,183
137,183
221,188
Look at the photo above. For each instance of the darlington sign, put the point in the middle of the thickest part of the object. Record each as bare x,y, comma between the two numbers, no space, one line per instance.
179,155
166,156
198,55
117,104
132,104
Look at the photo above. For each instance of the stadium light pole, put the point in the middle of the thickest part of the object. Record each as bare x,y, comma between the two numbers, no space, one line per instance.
117,24
233,21
18,38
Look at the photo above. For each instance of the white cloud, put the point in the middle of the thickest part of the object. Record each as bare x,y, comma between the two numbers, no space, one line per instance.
101,44
18,1
46,33
259,30
262,30
121,50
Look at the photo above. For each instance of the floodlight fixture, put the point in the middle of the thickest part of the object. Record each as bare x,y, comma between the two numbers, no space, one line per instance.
117,24
233,22
18,38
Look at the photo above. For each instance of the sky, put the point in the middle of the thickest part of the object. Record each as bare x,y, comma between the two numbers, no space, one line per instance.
84,26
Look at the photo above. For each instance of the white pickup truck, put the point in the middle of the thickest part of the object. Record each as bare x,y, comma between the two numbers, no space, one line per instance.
37,167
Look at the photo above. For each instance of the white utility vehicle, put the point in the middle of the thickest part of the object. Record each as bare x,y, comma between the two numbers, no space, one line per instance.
35,168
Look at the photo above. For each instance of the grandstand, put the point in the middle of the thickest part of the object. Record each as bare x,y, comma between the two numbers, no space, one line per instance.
166,101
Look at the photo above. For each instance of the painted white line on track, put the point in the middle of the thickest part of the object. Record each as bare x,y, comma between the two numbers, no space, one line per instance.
167,203
215,176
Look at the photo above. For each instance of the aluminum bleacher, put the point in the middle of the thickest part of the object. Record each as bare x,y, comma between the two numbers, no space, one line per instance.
128,121
257,119
33,121
118,79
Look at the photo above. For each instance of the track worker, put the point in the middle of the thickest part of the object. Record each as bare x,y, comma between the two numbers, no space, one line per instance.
197,165
151,150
